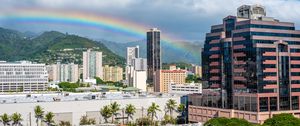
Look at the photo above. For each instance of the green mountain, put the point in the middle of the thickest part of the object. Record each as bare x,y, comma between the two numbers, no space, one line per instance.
50,47
188,52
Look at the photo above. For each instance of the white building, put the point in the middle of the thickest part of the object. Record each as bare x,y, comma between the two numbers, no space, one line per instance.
132,52
139,64
23,76
65,72
74,105
139,79
92,64
188,88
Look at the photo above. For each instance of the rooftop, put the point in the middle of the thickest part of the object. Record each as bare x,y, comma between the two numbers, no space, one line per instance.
59,97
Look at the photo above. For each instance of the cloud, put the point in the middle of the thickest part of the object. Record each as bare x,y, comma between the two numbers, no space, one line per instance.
186,19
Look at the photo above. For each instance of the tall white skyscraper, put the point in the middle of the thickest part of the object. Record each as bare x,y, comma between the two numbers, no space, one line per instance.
92,64
132,52
65,72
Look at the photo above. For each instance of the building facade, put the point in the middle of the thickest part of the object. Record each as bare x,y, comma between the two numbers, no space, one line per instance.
112,73
132,53
139,80
92,64
253,63
65,72
166,77
23,77
197,70
185,88
153,54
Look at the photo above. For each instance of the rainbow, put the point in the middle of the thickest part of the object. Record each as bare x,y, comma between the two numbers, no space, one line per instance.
89,20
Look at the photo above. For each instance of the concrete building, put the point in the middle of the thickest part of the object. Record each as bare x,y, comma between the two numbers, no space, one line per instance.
165,77
65,72
197,70
72,106
139,64
185,88
253,63
132,53
112,73
139,79
153,55
92,64
23,76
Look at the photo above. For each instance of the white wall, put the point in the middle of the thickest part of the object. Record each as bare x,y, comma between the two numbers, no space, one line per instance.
76,109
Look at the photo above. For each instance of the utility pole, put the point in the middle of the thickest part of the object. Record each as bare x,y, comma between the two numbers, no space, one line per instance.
29,118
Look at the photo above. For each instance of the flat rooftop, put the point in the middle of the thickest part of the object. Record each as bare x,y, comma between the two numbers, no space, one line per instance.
60,97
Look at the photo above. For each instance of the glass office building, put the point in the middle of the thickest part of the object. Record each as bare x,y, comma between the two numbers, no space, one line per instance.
252,63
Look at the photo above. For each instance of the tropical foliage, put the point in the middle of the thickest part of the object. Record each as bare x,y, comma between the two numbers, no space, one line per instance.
130,110
84,120
39,114
48,119
106,112
152,111
5,119
114,107
16,119
171,106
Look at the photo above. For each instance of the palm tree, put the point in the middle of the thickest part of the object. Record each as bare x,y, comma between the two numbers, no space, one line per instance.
181,109
39,114
49,119
115,107
130,110
16,119
5,119
171,106
152,110
64,123
106,112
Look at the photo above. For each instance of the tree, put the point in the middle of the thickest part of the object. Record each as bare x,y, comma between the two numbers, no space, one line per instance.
168,120
49,119
221,121
283,119
171,106
181,108
106,112
16,119
64,123
115,107
5,119
39,114
152,110
130,110
99,80
84,120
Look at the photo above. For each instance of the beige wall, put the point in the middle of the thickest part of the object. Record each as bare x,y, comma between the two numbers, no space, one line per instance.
165,77
203,114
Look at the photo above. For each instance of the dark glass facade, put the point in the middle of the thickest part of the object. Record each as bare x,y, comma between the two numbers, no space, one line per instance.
153,55
252,65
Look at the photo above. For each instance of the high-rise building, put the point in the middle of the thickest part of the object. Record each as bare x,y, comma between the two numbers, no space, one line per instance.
112,73
153,54
132,53
197,70
139,79
166,77
252,65
92,64
65,72
139,64
23,76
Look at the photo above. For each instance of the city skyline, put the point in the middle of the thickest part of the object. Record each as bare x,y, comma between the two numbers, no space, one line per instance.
190,26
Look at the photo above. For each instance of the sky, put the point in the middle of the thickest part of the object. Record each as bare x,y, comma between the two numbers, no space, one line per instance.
186,20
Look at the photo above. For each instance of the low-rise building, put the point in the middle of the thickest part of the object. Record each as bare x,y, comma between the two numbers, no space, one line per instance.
187,88
23,76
